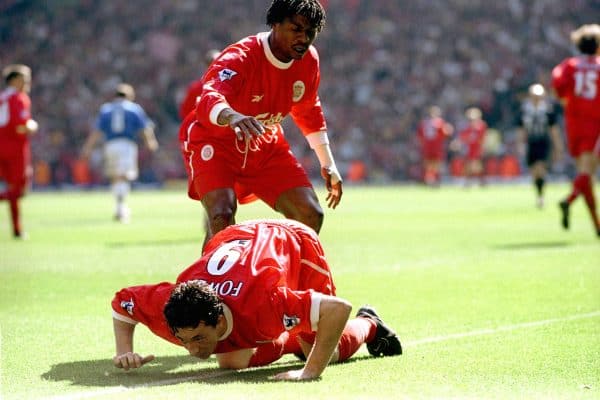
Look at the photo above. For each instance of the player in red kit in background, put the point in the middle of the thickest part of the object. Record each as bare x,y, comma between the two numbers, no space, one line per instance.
194,90
576,81
261,289
233,144
433,132
16,125
470,140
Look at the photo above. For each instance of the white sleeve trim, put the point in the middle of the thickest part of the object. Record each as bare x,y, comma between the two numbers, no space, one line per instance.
123,318
216,110
315,308
317,138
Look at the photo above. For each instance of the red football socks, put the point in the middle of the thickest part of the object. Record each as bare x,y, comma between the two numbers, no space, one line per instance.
576,190
15,215
588,194
356,332
582,184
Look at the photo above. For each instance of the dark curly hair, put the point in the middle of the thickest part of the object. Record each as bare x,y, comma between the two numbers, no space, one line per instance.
190,303
312,10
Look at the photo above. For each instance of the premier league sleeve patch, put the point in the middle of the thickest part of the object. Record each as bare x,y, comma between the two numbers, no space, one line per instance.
226,74
128,306
290,322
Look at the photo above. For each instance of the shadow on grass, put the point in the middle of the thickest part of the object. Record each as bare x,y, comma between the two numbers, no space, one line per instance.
530,245
164,371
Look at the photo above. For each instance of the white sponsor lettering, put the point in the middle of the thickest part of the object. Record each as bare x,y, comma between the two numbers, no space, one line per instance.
227,288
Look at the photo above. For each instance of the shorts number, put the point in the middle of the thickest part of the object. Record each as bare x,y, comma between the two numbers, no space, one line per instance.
226,256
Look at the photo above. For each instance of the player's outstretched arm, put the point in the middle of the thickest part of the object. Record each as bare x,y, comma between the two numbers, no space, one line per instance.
557,143
150,138
125,357
333,315
28,128
319,142
89,144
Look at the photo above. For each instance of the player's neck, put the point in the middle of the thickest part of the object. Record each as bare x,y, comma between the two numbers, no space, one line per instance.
275,50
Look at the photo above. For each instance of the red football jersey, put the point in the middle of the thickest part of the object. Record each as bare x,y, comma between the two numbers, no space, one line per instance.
577,81
432,134
248,78
192,94
15,109
269,275
472,138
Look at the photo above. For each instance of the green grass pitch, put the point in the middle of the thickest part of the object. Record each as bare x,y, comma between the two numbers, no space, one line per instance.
490,297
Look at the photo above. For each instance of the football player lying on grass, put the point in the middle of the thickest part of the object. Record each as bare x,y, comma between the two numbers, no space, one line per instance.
261,289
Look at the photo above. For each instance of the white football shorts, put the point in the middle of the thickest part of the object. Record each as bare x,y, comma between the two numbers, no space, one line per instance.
121,159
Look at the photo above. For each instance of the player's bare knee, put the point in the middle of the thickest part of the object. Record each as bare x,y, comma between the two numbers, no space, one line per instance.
313,217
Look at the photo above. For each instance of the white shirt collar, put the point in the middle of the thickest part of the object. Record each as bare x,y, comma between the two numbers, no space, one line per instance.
229,318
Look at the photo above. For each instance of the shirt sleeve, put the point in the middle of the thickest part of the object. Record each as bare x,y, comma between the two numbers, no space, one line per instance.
223,80
20,109
561,79
295,311
308,113
99,124
145,304
141,119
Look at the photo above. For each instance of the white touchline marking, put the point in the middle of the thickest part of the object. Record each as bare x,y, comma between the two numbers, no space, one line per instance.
220,373
491,331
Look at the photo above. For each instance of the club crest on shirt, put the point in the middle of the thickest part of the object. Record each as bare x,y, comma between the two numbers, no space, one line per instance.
128,306
299,89
207,152
226,74
290,322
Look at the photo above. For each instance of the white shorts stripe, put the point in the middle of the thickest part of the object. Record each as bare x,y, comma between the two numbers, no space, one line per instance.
315,267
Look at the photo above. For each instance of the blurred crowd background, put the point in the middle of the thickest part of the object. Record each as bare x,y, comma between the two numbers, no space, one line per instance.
383,63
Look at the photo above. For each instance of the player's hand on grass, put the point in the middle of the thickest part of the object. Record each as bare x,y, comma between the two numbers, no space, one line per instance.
294,375
131,360
333,183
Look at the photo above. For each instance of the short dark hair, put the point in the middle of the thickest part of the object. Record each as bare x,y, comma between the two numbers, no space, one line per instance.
126,91
12,71
190,303
312,10
587,38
